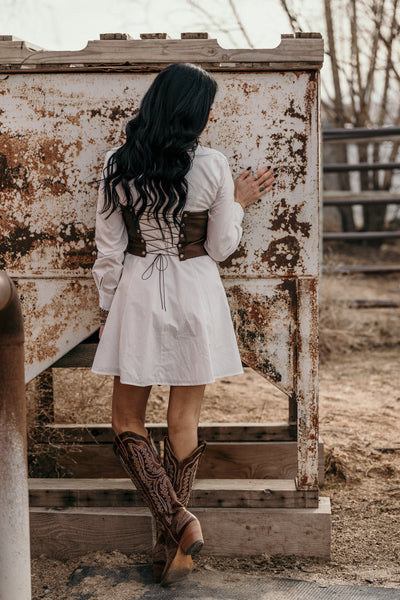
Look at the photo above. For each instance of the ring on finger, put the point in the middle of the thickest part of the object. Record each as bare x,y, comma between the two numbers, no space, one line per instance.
262,188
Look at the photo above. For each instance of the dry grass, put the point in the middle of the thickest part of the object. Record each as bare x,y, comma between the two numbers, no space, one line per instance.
344,329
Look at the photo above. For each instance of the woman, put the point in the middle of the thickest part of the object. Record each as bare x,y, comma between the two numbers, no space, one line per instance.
168,211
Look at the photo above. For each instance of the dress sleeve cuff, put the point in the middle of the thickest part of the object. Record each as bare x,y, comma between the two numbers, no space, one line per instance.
105,300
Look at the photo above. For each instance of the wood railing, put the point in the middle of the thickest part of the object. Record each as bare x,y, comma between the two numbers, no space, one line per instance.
364,197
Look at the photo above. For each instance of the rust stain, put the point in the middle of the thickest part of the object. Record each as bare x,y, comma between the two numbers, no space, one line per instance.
249,88
294,148
291,111
12,176
73,245
252,315
117,113
285,218
314,314
311,93
60,310
282,254
239,253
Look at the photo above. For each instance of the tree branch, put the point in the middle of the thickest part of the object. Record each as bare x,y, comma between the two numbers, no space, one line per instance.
213,21
365,95
294,23
239,22
339,121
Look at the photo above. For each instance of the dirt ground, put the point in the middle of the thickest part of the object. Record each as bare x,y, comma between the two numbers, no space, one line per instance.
359,425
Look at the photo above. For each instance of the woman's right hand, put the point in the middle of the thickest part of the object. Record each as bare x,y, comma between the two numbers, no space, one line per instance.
250,188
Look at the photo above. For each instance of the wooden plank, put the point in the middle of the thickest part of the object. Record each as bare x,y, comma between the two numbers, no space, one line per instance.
305,51
154,36
80,356
221,460
198,35
242,532
71,532
212,432
137,68
362,269
115,36
337,197
220,493
253,460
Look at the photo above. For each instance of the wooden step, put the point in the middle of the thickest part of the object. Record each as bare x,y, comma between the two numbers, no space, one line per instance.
223,493
65,533
221,460
68,433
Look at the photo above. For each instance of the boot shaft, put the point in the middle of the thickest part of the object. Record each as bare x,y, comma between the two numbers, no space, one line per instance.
182,473
140,460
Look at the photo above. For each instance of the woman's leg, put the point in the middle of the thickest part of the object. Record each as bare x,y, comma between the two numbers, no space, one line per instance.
129,407
182,531
183,418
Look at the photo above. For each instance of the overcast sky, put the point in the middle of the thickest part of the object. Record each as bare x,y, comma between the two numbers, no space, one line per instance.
69,24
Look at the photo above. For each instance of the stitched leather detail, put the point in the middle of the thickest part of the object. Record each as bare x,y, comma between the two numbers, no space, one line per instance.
147,473
182,475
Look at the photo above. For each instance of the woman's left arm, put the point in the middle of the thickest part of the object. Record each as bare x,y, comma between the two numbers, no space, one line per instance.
111,240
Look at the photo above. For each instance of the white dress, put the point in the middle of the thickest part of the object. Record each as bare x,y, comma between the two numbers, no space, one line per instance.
172,327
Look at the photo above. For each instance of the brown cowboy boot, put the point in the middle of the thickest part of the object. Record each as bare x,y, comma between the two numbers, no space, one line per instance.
182,475
140,460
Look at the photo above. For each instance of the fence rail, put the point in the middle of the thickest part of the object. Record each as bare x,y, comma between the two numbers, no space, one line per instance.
356,134
365,198
344,167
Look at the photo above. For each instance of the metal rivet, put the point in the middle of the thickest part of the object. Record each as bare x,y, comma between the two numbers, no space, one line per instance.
181,256
179,245
182,235
143,253
137,230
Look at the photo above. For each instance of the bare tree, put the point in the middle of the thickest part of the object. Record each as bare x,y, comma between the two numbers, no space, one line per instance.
363,61
232,23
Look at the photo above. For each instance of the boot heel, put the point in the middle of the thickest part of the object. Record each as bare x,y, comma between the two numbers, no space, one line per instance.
192,541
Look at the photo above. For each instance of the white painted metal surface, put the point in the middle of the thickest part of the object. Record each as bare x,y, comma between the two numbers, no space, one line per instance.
55,129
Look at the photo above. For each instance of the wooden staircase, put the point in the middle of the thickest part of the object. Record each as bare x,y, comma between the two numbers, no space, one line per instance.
245,494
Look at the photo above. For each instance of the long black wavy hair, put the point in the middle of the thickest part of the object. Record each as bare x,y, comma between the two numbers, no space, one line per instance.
160,144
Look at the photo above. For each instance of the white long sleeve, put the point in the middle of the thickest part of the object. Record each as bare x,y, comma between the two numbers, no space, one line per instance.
224,230
111,240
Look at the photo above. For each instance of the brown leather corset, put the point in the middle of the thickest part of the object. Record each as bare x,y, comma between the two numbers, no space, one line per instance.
191,239
192,236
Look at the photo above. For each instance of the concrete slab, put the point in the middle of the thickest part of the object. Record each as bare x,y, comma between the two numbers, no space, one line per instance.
92,582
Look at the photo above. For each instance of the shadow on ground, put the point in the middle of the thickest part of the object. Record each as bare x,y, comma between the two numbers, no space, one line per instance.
136,582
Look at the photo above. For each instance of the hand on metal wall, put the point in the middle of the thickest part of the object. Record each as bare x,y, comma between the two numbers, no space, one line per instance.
250,187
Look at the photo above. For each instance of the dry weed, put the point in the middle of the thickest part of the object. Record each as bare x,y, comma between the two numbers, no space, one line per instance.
337,467
345,329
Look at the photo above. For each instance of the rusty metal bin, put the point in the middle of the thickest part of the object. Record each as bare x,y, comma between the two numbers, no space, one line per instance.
61,111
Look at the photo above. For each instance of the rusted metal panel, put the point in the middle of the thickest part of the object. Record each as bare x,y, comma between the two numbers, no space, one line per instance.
58,314
272,119
265,319
54,131
306,387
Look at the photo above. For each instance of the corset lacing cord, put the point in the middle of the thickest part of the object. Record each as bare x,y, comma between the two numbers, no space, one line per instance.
160,261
